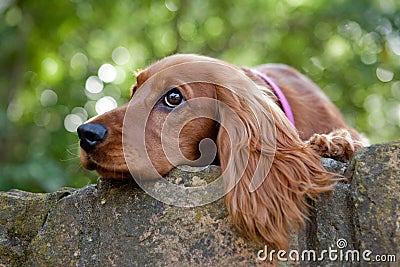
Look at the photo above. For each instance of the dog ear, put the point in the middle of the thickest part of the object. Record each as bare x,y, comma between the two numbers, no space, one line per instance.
268,171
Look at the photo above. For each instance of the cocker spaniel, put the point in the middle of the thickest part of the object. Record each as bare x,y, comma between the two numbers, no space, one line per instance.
269,127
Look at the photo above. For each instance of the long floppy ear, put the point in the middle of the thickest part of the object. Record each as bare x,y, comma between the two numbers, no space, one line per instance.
269,171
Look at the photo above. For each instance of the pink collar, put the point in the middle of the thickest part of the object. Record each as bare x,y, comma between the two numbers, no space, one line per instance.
278,92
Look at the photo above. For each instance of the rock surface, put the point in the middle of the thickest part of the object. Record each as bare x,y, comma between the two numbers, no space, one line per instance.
115,223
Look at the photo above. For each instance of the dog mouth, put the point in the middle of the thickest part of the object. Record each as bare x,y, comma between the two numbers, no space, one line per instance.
106,171
113,173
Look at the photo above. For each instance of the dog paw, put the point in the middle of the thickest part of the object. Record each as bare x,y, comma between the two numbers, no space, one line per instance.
338,145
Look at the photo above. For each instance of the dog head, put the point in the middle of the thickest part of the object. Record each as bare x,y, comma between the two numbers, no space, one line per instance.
195,110
137,132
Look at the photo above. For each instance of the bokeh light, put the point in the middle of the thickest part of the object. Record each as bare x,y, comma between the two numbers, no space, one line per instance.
384,75
48,98
107,73
105,104
121,55
71,122
94,85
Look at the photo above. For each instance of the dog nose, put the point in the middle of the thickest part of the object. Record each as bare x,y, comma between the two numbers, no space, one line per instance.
91,134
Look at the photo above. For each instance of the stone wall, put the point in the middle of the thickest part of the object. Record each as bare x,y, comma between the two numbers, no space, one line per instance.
114,223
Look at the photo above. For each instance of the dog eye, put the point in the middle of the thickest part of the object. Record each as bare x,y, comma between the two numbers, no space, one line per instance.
173,98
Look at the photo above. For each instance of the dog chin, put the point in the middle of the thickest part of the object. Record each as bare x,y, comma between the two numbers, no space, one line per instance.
110,172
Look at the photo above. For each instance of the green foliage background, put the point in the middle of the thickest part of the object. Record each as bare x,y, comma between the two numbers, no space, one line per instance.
50,48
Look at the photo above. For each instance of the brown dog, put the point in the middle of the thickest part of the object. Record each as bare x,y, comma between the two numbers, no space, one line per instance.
248,115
